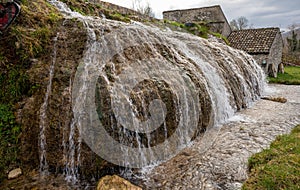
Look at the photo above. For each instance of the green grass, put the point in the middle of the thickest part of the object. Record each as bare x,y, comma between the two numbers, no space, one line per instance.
277,167
29,37
291,76
9,139
198,29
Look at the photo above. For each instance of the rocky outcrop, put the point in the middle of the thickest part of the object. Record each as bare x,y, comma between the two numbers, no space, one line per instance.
70,44
115,182
184,81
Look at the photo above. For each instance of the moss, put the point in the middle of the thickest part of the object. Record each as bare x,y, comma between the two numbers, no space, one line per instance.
29,37
9,140
76,9
198,29
118,17
220,36
85,8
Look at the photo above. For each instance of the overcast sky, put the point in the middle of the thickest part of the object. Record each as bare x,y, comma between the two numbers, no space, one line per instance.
260,13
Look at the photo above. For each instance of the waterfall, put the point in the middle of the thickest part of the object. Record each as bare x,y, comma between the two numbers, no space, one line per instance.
141,93
43,116
69,144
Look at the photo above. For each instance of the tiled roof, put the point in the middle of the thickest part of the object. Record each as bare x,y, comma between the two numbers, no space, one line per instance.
253,40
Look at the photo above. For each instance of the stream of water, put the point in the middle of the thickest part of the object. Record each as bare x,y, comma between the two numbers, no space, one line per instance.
175,110
43,115
142,94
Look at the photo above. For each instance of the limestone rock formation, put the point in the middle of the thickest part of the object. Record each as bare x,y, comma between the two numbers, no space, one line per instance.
115,183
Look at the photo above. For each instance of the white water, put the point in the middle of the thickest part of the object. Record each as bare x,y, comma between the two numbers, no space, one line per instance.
192,67
69,144
186,55
43,116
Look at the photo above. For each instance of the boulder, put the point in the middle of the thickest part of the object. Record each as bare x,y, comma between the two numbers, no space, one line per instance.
115,183
15,173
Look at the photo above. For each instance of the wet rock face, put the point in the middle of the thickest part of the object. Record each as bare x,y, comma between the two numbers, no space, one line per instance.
141,97
69,51
131,77
194,84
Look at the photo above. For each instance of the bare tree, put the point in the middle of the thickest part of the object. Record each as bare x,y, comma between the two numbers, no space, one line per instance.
239,24
234,25
142,8
293,26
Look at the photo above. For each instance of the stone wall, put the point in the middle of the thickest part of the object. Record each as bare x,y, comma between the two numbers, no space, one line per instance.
213,15
275,55
259,58
273,59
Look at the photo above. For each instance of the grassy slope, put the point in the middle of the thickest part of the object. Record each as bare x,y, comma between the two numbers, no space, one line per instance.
28,38
277,167
291,76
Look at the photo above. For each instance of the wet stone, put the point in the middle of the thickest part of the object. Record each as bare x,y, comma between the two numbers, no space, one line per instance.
224,164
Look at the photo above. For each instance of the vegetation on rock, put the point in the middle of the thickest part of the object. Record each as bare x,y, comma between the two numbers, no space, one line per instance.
95,9
27,39
198,29
9,140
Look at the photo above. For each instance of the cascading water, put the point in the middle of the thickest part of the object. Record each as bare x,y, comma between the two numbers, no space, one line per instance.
141,93
43,116
69,145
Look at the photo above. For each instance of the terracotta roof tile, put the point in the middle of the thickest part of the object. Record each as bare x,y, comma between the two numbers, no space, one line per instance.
253,40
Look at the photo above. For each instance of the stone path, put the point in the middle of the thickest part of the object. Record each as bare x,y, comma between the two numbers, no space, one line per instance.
219,159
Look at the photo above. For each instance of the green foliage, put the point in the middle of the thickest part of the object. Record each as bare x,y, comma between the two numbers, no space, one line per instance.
9,139
119,17
174,23
77,9
14,84
291,76
30,36
84,8
277,167
53,17
198,29
221,37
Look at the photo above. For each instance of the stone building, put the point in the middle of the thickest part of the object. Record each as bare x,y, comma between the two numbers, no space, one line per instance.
264,44
213,15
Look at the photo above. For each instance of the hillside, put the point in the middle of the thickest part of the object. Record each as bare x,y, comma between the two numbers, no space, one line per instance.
291,49
288,35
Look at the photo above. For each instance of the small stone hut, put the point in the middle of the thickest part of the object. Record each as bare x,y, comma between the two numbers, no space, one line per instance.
264,44
213,15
